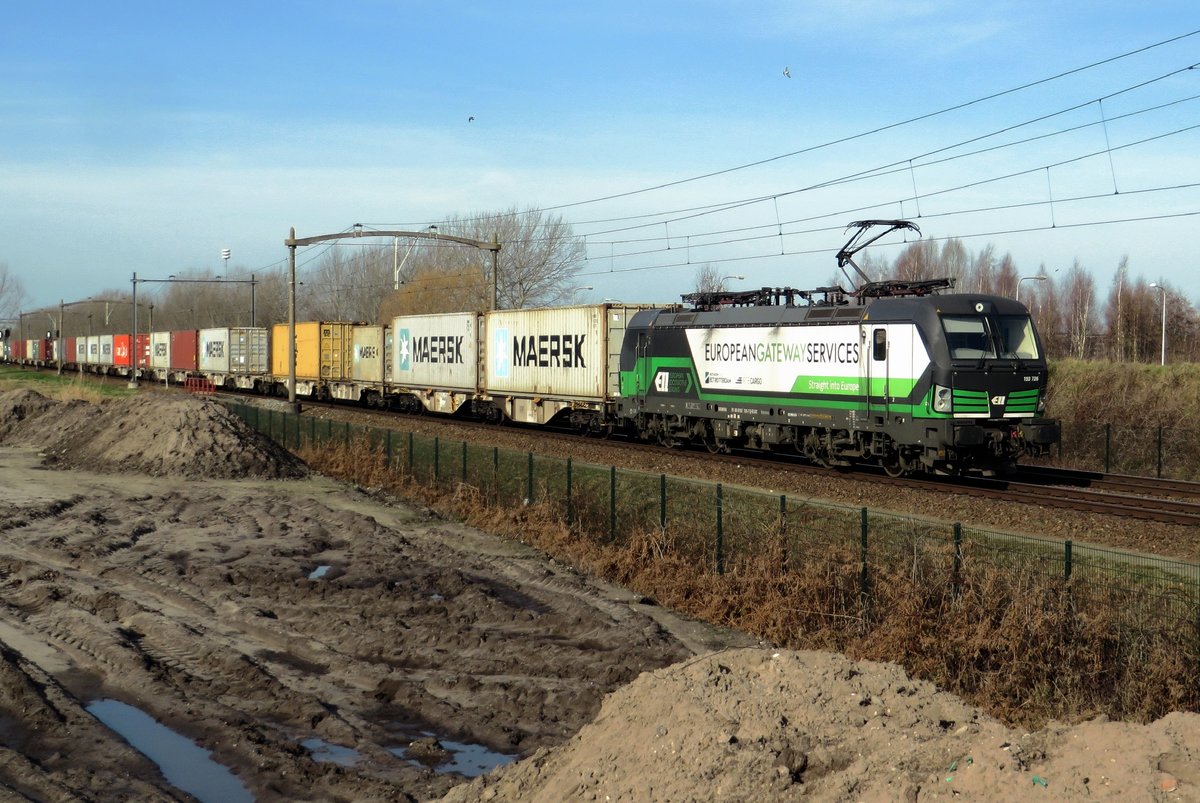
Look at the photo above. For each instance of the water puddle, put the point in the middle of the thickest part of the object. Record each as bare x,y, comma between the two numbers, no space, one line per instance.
463,758
184,764
323,751
319,572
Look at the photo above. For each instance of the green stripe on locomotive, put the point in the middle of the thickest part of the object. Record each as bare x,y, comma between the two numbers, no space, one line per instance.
839,393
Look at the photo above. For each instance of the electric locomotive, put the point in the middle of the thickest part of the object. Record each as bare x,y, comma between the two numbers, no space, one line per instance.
893,374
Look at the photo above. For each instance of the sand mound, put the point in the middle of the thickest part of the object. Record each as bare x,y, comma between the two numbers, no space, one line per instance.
150,433
753,725
18,405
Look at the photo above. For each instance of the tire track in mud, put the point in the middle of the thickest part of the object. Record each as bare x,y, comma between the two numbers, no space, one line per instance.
194,602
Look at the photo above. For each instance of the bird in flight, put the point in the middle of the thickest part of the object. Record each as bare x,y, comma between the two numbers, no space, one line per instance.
470,119
787,72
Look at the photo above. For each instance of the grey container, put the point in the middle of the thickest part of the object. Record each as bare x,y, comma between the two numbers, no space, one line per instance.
436,351
557,353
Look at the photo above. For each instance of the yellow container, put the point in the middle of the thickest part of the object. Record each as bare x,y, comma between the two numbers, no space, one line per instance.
324,350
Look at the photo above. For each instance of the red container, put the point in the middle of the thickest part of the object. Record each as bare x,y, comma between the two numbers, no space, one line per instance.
183,349
143,350
68,345
18,349
121,350
46,349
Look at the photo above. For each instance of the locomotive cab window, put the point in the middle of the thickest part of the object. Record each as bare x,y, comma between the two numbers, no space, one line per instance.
969,337
879,346
1017,340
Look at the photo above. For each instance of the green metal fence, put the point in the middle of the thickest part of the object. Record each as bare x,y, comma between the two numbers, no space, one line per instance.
1154,451
724,528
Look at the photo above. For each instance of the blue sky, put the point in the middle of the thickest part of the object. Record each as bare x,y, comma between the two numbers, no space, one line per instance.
147,136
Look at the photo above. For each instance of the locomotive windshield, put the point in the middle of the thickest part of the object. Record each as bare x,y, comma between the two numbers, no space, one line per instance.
1016,337
979,337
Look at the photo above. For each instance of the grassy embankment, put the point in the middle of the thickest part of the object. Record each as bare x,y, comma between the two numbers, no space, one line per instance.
1125,394
68,387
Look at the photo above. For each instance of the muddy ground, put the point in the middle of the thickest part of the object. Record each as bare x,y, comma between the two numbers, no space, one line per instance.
158,554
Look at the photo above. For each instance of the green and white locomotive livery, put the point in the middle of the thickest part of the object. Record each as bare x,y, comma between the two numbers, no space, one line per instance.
940,383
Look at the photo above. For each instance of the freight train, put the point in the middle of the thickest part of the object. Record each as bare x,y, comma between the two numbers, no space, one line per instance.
896,374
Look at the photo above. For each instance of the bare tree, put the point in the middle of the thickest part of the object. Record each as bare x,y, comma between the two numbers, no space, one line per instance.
709,279
1116,312
432,290
12,293
1078,302
538,260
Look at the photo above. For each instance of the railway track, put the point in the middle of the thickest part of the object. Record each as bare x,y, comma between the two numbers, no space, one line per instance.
1141,498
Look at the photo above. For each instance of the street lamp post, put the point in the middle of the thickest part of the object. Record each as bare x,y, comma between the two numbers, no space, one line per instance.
1039,278
575,290
1163,290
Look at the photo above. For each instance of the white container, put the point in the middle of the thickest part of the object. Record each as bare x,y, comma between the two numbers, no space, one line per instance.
160,350
106,350
436,351
237,350
556,353
368,358
93,350
81,350
214,351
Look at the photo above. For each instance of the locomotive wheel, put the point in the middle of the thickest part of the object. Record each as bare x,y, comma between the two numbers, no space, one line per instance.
894,467
711,443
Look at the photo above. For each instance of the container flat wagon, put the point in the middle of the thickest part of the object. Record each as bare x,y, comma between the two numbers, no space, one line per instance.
435,362
560,364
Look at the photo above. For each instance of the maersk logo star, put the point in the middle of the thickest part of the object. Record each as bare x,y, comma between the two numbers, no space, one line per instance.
405,353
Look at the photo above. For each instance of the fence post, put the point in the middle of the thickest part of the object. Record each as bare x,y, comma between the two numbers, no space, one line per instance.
720,531
464,463
864,588
569,511
496,470
1160,451
783,514
1107,446
297,433
956,579
612,504
1067,559
662,502
347,433
387,450
312,431
410,453
437,460
529,479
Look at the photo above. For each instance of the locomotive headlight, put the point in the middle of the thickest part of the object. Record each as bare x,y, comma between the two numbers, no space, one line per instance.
1041,404
942,399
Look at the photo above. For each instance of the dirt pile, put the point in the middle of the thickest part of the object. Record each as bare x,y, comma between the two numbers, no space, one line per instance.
17,406
753,724
151,433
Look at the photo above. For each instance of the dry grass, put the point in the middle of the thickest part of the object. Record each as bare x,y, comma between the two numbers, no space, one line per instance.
1018,645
